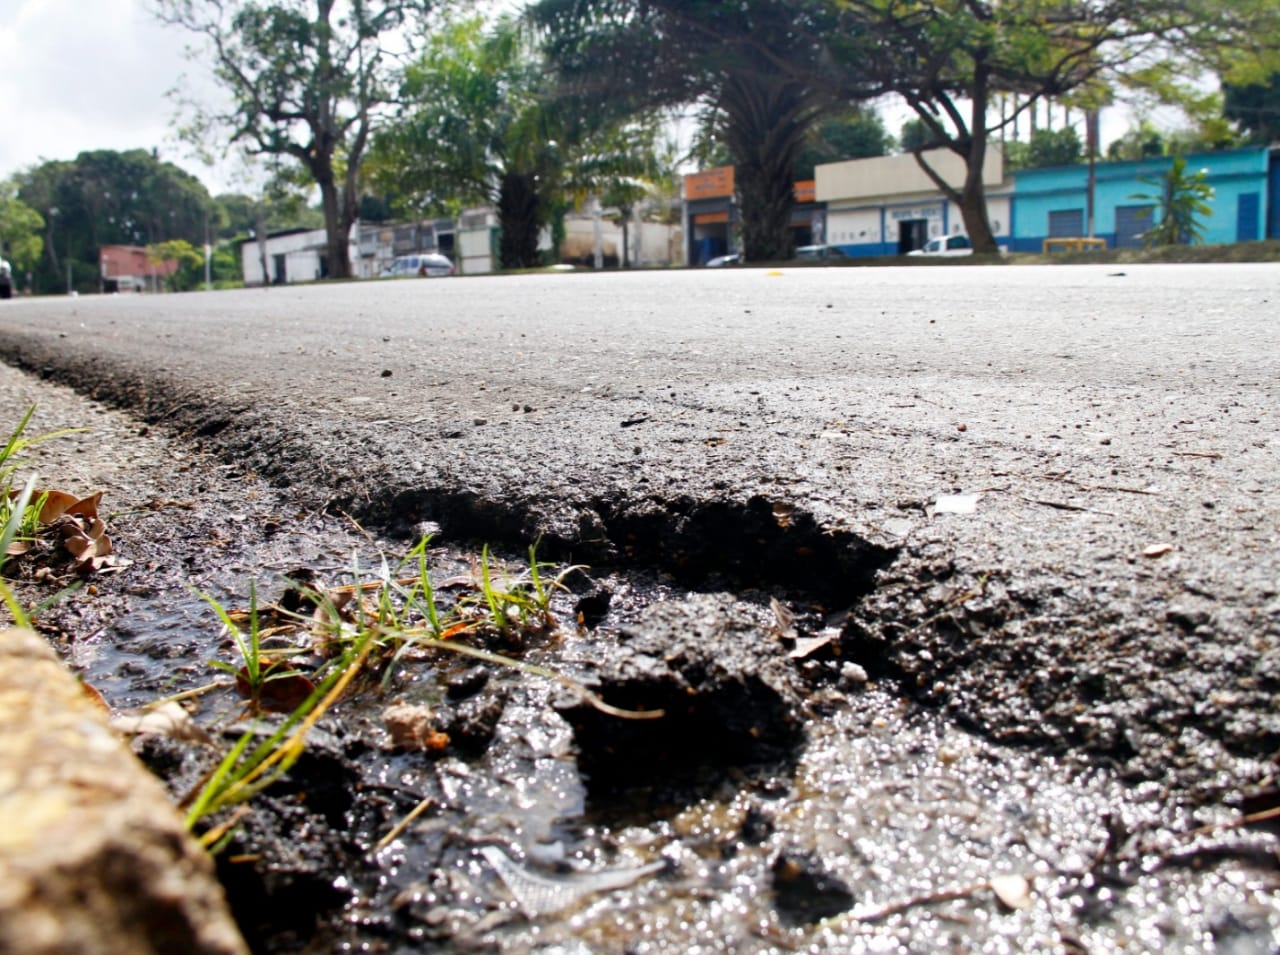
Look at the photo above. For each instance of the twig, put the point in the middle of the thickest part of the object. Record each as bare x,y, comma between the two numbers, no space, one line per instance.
945,895
402,825
1249,820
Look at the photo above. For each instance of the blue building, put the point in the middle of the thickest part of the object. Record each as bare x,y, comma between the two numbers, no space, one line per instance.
1053,202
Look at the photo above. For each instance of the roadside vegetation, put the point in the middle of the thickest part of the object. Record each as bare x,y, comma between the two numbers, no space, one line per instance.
409,109
292,661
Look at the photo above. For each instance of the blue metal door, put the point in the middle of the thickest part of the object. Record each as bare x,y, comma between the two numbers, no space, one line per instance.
1247,207
1131,223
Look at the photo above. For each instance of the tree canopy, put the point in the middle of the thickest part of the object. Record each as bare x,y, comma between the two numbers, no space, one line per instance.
105,197
1256,107
751,66
481,123
306,81
20,228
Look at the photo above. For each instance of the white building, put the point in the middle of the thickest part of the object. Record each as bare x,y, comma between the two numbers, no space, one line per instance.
888,205
298,255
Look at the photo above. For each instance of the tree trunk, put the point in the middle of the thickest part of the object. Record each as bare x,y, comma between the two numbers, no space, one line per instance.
337,227
971,146
766,196
768,118
973,198
519,216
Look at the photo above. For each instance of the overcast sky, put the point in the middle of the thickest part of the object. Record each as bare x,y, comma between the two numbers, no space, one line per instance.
89,74
93,74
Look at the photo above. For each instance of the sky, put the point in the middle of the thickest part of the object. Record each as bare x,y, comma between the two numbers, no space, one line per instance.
93,74
90,74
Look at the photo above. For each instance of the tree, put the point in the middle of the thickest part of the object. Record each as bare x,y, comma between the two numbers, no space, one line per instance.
1183,199
20,228
186,259
307,80
856,135
104,197
950,60
1047,148
749,65
481,124
1139,142
1255,107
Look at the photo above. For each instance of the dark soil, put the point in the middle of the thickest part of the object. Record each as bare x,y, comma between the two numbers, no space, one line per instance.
840,718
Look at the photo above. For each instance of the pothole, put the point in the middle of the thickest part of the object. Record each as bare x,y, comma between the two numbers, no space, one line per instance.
829,812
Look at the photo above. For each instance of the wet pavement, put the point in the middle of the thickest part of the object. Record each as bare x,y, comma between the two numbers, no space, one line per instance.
1034,510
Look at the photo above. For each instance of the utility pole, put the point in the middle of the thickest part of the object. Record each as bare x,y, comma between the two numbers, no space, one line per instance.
1091,147
208,255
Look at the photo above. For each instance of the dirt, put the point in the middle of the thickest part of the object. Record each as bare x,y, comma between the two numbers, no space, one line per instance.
865,748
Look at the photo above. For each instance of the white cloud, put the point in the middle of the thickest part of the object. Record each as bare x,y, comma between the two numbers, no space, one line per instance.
83,75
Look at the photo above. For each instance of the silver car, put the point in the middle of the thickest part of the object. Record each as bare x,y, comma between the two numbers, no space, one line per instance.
426,264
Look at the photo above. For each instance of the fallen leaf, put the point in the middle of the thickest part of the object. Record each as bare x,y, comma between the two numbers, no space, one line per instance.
1157,550
56,503
281,693
167,719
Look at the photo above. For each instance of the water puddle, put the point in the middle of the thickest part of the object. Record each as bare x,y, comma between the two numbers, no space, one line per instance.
890,830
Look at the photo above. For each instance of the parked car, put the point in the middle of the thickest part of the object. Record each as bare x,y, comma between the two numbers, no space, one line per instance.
946,245
6,279
821,252
720,261
427,264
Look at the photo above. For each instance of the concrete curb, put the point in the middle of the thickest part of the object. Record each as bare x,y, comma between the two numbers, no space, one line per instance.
93,855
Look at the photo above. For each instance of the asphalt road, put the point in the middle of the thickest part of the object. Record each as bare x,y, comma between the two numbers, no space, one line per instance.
1108,433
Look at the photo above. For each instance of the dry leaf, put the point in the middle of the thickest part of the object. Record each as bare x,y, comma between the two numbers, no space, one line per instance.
1157,550
167,719
276,694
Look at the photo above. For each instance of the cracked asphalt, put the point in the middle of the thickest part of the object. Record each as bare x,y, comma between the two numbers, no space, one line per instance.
1052,490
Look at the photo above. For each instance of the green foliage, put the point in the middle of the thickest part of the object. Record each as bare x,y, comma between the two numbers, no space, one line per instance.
915,136
305,82
19,510
752,67
1255,107
20,230
190,262
858,135
483,123
1139,142
951,61
1047,148
1182,199
104,197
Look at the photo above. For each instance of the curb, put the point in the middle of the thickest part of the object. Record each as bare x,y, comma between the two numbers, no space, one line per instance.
94,858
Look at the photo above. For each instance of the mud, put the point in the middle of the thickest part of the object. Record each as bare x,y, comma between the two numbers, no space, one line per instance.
810,793
901,731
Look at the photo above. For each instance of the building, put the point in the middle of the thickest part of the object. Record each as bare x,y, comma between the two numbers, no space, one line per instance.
711,215
888,205
380,245
1055,202
126,268
294,255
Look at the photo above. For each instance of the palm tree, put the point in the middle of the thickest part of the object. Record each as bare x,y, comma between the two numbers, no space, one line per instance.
482,124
